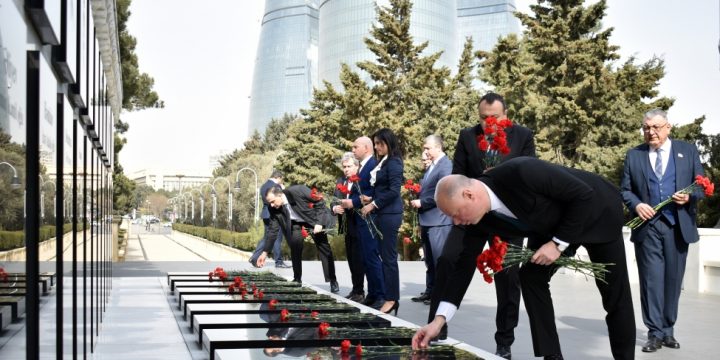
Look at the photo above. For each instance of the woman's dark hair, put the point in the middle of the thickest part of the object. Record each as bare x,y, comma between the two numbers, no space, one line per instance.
388,137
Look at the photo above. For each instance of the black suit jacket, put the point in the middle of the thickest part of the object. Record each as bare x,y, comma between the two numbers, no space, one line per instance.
469,160
575,206
346,220
300,201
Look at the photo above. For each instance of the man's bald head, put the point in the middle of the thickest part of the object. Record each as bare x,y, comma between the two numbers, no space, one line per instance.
362,148
463,199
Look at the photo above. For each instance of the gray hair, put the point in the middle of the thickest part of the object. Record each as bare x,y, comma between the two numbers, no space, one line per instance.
656,112
348,156
435,139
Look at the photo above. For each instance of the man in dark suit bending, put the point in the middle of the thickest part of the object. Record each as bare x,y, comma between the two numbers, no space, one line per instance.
470,161
291,210
561,208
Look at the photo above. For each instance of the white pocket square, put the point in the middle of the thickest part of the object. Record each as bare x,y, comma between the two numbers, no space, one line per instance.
680,155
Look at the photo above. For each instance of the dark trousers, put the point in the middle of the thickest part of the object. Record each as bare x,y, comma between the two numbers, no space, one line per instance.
323,249
428,258
354,258
461,239
661,258
277,247
615,294
389,224
370,246
507,292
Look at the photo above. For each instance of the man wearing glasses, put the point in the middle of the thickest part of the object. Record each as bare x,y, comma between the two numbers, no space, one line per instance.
655,171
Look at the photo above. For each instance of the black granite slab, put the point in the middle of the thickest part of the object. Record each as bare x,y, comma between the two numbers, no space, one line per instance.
42,286
214,339
296,320
50,276
227,298
180,291
218,283
368,352
246,275
263,308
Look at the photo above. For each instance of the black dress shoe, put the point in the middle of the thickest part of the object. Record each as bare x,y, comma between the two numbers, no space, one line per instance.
358,298
652,345
334,287
553,357
669,341
368,301
253,262
503,352
282,265
422,297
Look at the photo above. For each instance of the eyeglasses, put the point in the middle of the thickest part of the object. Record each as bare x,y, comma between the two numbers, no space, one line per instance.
655,128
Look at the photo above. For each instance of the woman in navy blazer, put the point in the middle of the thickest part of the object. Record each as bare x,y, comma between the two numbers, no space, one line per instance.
387,179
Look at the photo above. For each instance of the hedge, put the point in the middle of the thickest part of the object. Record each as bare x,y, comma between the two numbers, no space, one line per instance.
16,239
248,240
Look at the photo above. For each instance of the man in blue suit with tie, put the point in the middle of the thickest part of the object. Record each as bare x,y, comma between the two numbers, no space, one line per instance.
434,224
363,150
275,180
655,171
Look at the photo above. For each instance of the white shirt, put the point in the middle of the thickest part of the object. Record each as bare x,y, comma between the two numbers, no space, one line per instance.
293,215
373,172
665,153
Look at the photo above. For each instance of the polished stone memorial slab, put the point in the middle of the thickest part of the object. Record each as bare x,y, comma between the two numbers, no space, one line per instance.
216,283
254,275
16,303
368,352
47,276
215,339
180,291
296,320
227,298
42,286
264,308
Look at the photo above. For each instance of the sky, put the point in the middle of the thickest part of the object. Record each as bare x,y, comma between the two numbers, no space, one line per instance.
201,55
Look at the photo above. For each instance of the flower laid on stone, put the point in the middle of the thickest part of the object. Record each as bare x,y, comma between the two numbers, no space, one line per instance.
218,273
272,304
284,315
324,329
700,183
4,276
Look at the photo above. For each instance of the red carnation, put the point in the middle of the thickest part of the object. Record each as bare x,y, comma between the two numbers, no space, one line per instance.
314,314
273,303
284,315
260,294
231,288
345,346
407,240
311,205
304,232
324,329
354,178
358,350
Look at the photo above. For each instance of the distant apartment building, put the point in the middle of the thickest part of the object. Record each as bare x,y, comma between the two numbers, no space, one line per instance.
168,180
304,42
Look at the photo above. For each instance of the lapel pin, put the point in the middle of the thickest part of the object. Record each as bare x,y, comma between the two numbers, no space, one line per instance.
680,155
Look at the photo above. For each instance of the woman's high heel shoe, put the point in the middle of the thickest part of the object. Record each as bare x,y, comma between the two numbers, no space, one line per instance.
394,308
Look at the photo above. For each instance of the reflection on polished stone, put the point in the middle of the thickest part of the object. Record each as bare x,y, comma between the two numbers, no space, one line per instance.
297,337
257,308
227,298
367,352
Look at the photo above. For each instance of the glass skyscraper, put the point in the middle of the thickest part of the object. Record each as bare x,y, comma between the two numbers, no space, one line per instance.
286,61
485,21
304,42
345,23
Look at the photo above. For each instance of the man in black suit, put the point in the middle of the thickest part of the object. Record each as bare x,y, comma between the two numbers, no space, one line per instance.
346,220
291,210
275,179
470,161
560,207
653,172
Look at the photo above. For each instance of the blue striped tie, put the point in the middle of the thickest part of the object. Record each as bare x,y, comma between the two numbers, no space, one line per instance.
658,164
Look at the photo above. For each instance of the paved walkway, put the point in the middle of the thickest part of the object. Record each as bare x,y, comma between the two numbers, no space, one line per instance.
140,322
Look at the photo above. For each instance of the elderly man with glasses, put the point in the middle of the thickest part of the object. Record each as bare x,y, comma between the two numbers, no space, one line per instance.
655,171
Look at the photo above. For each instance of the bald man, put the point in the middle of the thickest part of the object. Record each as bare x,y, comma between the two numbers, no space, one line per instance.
559,209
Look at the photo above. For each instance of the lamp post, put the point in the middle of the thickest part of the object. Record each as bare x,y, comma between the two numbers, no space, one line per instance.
15,182
229,198
257,189
42,196
202,201
192,200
